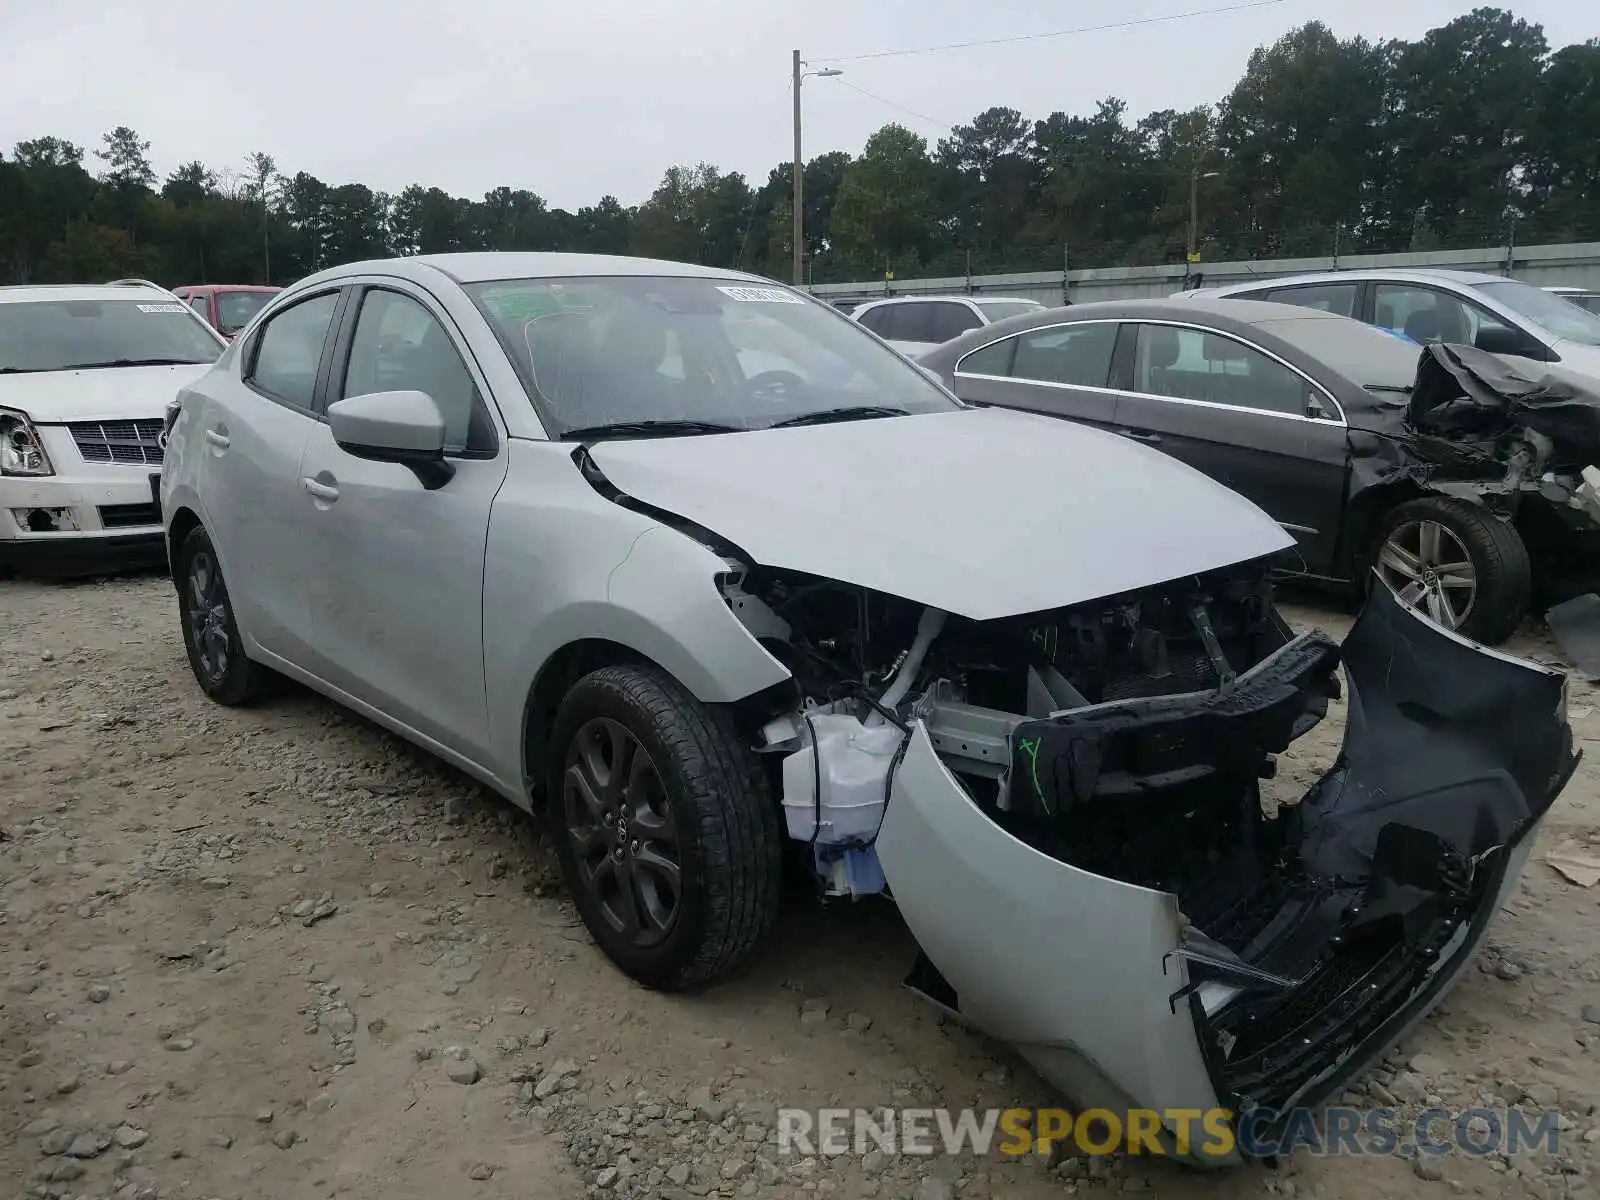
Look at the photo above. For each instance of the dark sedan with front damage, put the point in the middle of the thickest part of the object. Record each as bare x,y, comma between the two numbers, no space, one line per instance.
1458,480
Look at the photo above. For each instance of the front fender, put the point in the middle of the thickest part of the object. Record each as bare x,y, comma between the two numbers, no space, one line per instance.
566,565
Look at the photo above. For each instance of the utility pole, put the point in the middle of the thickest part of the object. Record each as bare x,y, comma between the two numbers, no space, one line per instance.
1194,211
1192,255
798,232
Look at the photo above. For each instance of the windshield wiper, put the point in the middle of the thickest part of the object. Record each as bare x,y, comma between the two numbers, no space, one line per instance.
589,433
136,362
20,370
859,412
1403,388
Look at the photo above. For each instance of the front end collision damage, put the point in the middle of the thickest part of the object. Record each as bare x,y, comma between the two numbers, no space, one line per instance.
1125,913
1475,428
1066,809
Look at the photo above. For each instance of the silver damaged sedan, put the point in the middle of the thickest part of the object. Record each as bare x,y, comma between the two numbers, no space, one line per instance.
708,576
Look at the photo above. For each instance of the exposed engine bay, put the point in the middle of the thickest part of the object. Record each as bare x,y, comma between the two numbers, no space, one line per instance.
1127,738
867,664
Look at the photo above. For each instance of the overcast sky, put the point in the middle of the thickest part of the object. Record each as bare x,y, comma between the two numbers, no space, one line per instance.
577,98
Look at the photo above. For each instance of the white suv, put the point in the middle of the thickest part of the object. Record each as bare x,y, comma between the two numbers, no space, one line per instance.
86,374
913,324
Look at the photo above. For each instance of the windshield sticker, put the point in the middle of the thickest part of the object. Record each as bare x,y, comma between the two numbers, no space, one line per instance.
163,308
761,295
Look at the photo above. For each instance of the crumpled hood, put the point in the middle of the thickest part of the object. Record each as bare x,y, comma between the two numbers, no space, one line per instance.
983,513
105,394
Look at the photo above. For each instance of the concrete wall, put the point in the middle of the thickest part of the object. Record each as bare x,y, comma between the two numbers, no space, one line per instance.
1574,265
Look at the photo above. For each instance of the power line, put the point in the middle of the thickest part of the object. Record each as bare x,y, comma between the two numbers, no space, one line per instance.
944,125
1033,37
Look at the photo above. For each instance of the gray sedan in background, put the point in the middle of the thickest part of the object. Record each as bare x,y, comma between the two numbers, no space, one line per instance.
1308,414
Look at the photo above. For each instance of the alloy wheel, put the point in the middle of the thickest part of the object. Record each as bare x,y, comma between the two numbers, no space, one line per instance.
622,831
208,616
1430,569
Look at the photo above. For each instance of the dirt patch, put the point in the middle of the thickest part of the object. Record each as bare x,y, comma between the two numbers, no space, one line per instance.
279,953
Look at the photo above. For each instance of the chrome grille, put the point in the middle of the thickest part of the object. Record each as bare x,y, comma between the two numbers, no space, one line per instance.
136,443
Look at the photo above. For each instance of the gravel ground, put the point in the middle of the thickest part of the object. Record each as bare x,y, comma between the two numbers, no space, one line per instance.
279,953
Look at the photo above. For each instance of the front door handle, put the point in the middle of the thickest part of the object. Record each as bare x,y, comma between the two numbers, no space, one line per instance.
1141,435
325,492
218,439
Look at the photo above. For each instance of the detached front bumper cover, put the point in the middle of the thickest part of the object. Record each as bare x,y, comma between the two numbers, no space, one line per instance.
1350,913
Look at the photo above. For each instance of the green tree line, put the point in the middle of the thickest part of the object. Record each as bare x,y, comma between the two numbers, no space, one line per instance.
1478,133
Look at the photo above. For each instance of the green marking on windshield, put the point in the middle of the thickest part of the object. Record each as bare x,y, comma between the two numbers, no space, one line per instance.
526,304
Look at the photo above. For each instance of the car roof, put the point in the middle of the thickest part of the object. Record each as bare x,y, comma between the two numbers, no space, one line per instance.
489,265
1360,274
228,287
27,293
949,296
1243,312
1235,316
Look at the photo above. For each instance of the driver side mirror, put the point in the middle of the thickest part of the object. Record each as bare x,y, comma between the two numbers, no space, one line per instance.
398,427
1502,339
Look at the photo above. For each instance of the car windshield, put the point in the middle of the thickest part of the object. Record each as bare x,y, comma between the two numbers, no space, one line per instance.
234,309
1555,313
59,335
1364,354
999,310
668,354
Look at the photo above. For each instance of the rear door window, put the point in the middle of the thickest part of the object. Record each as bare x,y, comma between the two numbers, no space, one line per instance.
948,320
1075,354
910,322
1339,298
1197,364
877,319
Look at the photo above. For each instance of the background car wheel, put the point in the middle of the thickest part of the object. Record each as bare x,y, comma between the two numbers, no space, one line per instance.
210,634
665,828
1462,566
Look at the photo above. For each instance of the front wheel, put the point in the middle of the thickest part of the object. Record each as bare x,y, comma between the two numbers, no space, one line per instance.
1459,564
665,828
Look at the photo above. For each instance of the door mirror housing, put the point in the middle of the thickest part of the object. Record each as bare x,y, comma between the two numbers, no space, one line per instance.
399,427
1503,339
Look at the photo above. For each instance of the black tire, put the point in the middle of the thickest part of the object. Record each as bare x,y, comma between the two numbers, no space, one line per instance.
206,614
1497,553
718,814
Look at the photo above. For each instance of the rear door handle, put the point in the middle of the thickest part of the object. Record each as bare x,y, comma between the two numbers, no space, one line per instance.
1141,435
218,439
322,491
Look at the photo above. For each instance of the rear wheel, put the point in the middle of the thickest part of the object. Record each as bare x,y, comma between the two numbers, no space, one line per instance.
210,632
665,828
1459,564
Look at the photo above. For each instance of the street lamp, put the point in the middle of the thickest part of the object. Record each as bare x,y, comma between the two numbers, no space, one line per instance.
799,166
1194,210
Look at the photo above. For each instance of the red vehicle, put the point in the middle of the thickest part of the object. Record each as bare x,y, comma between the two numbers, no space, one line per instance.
226,307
